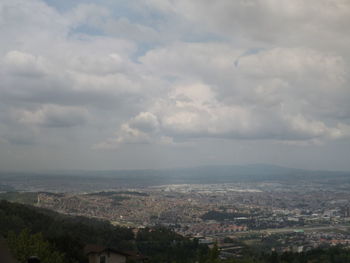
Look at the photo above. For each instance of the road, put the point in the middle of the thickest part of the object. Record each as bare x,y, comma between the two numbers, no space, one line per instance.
345,228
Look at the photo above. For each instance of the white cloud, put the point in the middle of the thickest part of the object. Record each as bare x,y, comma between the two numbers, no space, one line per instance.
175,72
294,78
25,64
194,111
315,23
53,116
87,14
122,27
145,121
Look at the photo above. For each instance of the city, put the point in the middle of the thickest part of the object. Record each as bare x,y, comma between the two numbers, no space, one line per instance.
174,131
270,215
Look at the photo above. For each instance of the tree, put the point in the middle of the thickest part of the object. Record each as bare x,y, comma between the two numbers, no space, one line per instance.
25,245
214,254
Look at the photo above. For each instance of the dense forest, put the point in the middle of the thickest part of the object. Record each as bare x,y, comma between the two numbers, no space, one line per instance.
58,238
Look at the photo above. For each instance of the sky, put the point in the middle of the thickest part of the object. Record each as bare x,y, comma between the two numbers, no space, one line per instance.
105,84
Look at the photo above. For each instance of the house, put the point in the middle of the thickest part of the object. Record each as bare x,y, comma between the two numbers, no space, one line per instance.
100,254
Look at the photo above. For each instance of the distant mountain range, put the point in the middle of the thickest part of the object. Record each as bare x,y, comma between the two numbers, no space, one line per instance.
194,175
223,173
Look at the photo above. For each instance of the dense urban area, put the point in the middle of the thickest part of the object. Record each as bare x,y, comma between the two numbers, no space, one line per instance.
267,216
285,219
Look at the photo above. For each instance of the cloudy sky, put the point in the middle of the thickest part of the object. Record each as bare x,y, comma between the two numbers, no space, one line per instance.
124,84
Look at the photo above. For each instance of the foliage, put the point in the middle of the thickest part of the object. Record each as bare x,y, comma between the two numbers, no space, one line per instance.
68,234
20,197
330,255
25,245
164,245
222,216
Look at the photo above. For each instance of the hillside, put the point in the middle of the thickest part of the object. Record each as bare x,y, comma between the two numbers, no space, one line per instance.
69,235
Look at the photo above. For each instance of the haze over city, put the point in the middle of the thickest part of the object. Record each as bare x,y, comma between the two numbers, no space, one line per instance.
100,85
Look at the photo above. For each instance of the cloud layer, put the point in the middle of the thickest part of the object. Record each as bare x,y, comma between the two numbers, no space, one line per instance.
172,75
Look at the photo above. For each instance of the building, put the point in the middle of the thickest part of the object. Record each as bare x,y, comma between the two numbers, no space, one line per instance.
100,254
